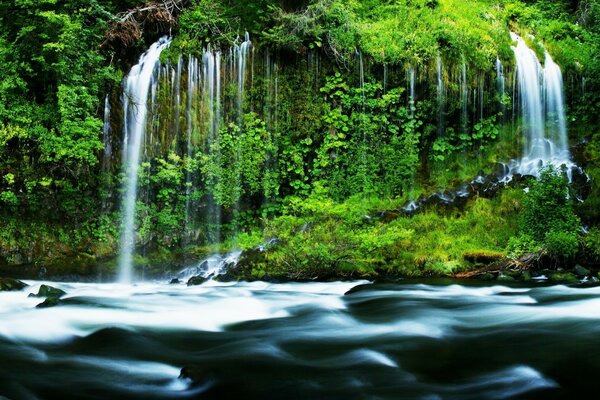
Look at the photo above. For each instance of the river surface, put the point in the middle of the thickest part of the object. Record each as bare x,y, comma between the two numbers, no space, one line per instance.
347,340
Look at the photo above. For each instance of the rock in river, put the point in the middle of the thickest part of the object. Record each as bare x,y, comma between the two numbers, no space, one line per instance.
7,284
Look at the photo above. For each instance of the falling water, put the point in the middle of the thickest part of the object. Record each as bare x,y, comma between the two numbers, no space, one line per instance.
192,77
240,58
411,91
211,84
464,96
361,71
440,95
107,153
500,82
539,86
137,85
556,125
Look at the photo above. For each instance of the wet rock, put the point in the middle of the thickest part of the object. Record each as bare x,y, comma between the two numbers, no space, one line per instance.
505,278
563,277
174,281
389,215
487,277
48,291
49,302
482,257
197,280
581,271
500,170
197,374
580,183
7,284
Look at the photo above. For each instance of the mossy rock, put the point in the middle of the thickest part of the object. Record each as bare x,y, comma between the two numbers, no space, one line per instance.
505,278
49,302
581,271
48,291
196,280
564,277
8,284
483,256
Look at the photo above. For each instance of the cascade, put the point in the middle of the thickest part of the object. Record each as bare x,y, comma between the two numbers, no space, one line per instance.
542,110
464,97
411,91
500,83
239,55
440,95
106,140
361,72
192,77
211,86
135,110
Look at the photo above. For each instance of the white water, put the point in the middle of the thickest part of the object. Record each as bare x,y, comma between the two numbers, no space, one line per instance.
542,109
375,341
136,87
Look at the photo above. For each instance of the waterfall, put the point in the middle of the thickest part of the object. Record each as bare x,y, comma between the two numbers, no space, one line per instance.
361,72
411,91
500,86
192,77
135,109
211,86
464,97
542,103
440,95
240,59
106,140
556,124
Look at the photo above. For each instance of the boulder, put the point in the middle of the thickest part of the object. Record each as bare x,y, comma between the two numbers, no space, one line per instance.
563,277
505,278
581,271
48,291
49,302
174,281
197,280
7,284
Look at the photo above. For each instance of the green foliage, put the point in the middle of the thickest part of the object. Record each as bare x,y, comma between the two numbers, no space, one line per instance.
561,244
548,206
547,221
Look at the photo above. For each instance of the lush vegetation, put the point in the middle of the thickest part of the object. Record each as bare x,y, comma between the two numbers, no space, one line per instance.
328,136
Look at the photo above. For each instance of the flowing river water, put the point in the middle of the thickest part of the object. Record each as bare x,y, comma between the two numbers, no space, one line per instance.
411,340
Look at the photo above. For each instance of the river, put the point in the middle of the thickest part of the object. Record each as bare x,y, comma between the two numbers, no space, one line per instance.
411,340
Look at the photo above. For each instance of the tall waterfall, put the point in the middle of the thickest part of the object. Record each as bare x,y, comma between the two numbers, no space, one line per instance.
107,153
211,86
135,110
542,108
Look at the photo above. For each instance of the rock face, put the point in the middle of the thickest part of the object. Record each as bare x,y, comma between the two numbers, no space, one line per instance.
7,284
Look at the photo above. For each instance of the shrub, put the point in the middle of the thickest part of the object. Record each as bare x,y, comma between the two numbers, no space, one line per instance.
561,245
